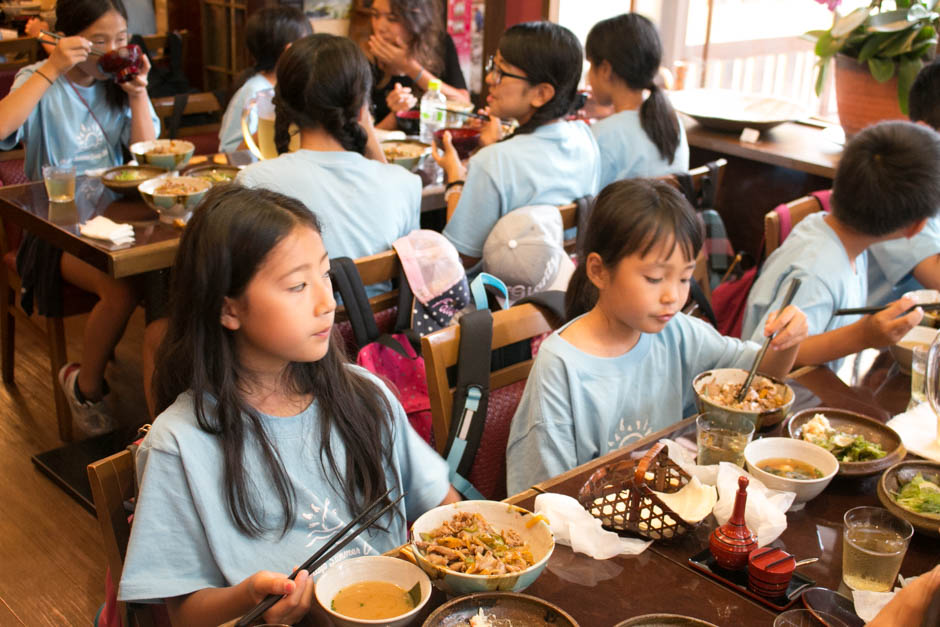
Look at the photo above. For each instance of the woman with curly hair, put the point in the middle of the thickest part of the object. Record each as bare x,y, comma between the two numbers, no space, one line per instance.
408,47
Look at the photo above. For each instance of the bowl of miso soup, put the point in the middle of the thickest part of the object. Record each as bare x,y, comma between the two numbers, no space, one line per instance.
373,590
791,465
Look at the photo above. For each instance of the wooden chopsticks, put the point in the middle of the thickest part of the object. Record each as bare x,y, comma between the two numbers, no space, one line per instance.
864,311
57,37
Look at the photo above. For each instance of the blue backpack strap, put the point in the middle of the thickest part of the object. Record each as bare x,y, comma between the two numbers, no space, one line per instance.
483,284
458,447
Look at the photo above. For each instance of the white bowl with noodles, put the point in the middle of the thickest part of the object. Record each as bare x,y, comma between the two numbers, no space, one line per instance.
532,529
174,198
169,154
371,568
762,450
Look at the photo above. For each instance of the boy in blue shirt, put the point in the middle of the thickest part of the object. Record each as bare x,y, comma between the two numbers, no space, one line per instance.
887,185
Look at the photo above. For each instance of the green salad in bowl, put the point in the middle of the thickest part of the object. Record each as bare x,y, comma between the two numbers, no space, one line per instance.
847,447
919,495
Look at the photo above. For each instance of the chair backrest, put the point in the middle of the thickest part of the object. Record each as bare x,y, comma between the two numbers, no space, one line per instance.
156,44
205,133
18,52
373,269
798,209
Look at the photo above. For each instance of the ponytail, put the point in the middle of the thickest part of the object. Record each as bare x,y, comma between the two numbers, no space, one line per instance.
581,295
659,122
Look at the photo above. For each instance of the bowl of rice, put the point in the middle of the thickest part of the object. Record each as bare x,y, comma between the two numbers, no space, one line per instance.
767,403
169,154
174,198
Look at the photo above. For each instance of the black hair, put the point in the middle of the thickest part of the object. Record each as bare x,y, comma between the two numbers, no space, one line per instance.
924,99
228,238
547,53
322,81
632,216
74,16
424,22
269,31
888,178
631,45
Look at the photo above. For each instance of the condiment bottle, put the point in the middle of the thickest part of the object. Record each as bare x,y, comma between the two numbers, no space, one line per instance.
732,542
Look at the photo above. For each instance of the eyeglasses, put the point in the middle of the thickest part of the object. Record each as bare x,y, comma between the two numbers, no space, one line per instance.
498,74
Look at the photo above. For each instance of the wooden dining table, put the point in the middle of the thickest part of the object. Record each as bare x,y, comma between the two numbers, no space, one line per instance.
601,593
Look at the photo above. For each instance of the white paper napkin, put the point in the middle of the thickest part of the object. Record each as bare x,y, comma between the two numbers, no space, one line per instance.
918,430
573,526
102,228
765,513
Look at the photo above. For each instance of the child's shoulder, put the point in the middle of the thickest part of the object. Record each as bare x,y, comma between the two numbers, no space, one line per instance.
176,422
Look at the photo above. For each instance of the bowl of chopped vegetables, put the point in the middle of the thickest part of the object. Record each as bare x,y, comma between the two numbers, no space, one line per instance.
862,445
124,179
480,546
767,402
169,154
911,490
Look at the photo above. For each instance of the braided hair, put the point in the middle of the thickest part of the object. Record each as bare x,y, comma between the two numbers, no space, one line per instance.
322,82
547,53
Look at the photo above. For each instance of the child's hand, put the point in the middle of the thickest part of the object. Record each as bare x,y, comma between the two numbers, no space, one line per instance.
138,84
448,159
491,131
789,325
400,99
888,326
392,56
68,52
298,595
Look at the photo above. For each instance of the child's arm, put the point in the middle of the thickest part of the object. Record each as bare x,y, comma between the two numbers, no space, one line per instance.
927,272
214,606
874,331
789,328
142,128
373,148
18,104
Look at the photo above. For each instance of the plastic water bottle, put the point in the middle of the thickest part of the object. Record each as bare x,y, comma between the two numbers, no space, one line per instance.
433,110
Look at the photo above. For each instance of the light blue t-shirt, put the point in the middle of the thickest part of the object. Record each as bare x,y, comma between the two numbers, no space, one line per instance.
577,407
628,152
554,165
230,132
363,205
891,264
814,254
61,127
183,538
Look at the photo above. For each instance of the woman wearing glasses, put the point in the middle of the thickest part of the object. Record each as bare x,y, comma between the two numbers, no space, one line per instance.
533,78
408,47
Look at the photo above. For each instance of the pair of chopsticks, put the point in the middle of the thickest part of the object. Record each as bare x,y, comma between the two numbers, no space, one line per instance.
57,37
864,311
333,546
511,125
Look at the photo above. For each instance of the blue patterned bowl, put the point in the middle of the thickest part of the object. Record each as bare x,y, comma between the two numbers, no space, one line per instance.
174,204
533,530
169,154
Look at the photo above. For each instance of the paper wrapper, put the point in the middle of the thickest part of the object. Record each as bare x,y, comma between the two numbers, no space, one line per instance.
573,526
918,430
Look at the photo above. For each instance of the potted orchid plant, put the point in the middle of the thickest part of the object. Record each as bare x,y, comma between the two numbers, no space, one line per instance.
893,42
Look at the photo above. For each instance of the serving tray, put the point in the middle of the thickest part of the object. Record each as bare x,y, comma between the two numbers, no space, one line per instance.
737,580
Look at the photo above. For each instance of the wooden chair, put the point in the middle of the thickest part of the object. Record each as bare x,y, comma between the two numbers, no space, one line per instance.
51,329
441,350
113,482
373,269
156,44
799,209
18,52
204,135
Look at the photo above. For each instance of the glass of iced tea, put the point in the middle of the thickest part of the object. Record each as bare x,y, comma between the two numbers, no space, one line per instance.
722,437
60,182
873,546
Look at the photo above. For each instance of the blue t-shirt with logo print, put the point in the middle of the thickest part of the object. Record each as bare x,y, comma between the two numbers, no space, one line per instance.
61,127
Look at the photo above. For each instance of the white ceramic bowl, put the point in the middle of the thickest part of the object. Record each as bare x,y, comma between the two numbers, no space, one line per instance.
371,568
534,532
903,351
771,448
926,297
173,206
169,154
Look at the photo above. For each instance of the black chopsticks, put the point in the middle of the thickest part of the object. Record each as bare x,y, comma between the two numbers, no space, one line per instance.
333,546
57,37
864,311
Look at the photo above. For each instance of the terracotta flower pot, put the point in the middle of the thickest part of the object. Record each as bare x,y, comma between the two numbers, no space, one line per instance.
861,99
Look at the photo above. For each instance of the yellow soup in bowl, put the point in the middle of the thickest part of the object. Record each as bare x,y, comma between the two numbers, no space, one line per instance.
372,600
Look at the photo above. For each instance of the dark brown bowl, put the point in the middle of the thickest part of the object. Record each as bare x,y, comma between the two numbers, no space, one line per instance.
521,609
850,422
129,187
891,482
465,140
409,122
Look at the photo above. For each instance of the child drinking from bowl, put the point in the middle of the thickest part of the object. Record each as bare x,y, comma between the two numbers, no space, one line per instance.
268,33
269,441
534,79
65,108
644,136
623,367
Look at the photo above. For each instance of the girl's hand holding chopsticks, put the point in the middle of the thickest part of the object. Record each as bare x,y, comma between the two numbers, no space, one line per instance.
68,52
889,325
788,327
491,130
297,600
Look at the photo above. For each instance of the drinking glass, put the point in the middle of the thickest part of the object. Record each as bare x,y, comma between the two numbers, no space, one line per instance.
722,437
933,379
873,546
806,618
918,375
60,182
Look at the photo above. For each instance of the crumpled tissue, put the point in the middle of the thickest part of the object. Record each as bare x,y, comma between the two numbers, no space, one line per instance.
918,430
573,526
105,229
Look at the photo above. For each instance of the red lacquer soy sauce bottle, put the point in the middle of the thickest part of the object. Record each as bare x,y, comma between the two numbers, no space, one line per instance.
732,542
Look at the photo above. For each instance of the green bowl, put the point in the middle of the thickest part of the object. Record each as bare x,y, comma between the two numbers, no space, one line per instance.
169,154
173,206
125,179
411,161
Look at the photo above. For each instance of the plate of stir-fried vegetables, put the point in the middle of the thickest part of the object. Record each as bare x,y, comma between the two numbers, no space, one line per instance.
475,546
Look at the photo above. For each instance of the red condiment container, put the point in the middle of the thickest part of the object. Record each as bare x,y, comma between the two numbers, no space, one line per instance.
769,571
731,543
465,140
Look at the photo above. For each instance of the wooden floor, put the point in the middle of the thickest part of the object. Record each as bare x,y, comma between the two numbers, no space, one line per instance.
52,566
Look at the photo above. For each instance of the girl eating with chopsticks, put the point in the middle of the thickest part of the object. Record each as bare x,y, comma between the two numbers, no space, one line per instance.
534,79
66,109
269,441
622,368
